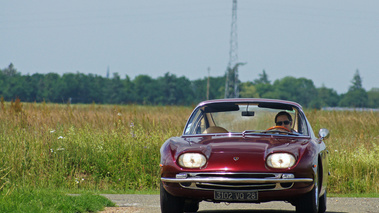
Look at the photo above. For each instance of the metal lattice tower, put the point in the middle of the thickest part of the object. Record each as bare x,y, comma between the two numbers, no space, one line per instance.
231,84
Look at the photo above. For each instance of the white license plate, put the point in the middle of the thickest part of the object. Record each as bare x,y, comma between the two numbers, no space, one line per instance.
235,195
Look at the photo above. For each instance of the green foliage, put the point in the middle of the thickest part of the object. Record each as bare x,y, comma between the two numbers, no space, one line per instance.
356,82
327,97
299,90
248,90
10,71
216,88
43,200
356,96
362,176
373,97
172,90
263,78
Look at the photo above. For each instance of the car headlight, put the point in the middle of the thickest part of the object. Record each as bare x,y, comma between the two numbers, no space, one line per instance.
280,160
192,160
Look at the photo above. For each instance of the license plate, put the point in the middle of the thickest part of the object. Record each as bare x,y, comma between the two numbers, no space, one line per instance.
235,195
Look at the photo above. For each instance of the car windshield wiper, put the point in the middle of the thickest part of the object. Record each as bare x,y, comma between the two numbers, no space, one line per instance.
251,132
279,131
268,132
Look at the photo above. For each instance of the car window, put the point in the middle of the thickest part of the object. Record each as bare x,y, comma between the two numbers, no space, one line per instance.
195,124
241,117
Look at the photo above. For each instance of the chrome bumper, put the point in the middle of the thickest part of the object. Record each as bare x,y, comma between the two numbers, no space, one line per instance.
211,181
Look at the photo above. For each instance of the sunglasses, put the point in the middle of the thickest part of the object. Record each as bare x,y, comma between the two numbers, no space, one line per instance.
279,123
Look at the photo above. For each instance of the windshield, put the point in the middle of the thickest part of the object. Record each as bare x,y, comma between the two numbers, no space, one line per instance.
244,117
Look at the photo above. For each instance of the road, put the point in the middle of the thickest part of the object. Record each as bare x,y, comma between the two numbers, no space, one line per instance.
129,203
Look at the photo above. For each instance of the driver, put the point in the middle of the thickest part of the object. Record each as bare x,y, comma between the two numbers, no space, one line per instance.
284,119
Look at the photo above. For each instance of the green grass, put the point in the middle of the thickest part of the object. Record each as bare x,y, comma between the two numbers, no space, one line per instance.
369,195
353,150
49,201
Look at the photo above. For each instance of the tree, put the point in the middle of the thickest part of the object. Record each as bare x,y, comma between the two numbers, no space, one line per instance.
199,88
36,80
263,78
174,91
263,86
11,83
96,89
114,89
70,91
50,88
300,90
357,82
128,95
248,90
356,96
373,98
216,89
11,71
327,97
145,87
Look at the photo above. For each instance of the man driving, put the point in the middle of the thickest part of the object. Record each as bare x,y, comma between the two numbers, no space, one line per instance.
284,119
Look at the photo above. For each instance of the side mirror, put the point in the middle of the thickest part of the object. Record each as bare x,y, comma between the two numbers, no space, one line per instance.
323,133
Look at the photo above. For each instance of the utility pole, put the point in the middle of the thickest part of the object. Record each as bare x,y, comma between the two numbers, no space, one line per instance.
209,69
231,83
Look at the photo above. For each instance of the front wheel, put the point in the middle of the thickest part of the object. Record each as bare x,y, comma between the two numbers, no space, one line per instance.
322,205
170,203
309,203
191,206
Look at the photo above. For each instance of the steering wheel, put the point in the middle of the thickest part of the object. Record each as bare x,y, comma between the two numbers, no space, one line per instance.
278,128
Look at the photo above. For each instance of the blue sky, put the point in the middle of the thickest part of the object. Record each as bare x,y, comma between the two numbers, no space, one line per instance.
325,41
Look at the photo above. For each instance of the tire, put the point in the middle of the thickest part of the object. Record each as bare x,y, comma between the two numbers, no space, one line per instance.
191,206
322,205
309,203
170,203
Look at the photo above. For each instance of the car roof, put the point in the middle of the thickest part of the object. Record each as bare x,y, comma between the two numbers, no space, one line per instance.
251,100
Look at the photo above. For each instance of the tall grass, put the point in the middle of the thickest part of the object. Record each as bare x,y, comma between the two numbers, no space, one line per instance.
105,147
51,201
89,147
353,149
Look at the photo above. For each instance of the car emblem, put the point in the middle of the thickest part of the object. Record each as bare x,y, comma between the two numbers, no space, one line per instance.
235,158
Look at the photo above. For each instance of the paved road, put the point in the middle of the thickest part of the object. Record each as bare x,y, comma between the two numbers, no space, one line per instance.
150,204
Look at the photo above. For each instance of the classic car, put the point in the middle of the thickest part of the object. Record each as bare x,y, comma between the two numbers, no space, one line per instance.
245,151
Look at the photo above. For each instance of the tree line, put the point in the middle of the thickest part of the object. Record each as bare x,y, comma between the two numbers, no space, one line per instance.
172,90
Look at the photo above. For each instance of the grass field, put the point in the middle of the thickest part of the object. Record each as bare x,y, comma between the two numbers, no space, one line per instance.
116,148
51,201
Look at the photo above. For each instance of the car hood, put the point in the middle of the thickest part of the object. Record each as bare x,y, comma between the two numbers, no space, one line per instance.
237,153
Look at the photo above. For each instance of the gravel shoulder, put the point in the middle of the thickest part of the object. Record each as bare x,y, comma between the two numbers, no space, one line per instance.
131,203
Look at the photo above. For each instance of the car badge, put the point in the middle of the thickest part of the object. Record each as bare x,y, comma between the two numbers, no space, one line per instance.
235,158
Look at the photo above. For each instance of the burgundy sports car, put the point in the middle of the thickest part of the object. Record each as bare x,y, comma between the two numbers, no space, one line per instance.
245,151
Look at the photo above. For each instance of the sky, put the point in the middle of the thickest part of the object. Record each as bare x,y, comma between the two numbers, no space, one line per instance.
325,41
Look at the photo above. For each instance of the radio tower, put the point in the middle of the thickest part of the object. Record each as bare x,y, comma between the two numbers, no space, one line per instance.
231,84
